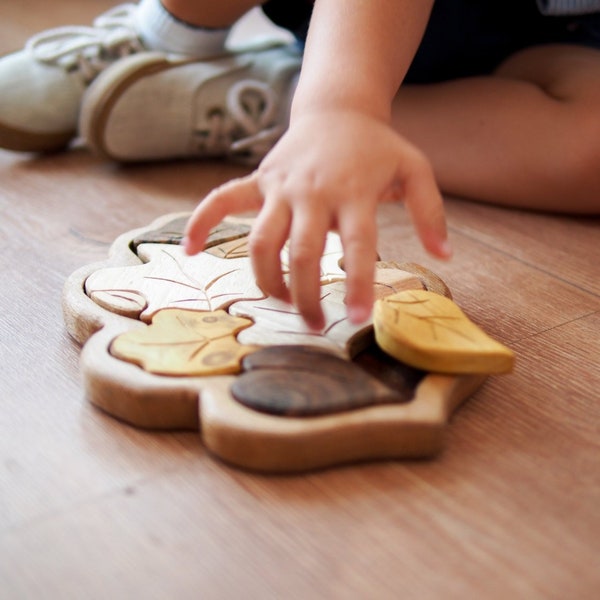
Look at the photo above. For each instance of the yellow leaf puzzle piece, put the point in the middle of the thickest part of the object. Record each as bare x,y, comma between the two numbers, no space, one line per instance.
429,331
185,343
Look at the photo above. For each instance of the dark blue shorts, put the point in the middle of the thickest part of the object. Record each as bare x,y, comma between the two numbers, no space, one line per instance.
467,37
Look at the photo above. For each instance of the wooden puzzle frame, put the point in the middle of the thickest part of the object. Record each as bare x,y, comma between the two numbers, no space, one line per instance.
231,430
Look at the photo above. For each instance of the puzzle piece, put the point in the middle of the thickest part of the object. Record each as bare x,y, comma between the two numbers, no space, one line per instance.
185,343
279,323
168,233
429,331
302,381
429,280
171,232
331,260
236,248
170,278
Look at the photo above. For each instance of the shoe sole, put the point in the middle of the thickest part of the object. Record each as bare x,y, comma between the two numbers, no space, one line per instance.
106,91
18,140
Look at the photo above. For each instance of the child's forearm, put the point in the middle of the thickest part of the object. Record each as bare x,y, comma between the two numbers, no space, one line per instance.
357,53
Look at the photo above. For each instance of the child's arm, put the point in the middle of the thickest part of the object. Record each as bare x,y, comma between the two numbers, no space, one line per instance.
338,159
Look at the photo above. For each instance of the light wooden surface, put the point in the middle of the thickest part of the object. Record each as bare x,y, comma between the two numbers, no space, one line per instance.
93,508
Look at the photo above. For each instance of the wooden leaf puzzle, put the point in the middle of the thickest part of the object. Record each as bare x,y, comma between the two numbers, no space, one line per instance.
178,342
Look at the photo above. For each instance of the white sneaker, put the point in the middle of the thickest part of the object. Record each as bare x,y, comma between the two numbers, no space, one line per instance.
42,85
155,107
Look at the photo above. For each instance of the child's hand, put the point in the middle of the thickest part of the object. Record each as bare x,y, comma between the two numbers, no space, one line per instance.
329,171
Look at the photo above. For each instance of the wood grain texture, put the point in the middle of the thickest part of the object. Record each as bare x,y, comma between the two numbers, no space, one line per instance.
273,444
182,342
302,381
93,508
429,331
316,406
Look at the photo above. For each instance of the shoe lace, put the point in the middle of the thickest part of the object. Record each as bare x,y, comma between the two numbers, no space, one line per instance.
89,49
250,129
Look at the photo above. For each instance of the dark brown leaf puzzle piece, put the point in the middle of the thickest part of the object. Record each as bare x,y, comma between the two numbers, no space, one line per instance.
302,381
172,233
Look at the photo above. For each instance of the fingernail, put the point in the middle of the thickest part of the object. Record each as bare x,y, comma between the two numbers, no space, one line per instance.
188,245
358,314
446,249
316,325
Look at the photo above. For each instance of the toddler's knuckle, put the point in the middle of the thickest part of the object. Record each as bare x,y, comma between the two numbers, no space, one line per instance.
301,257
259,244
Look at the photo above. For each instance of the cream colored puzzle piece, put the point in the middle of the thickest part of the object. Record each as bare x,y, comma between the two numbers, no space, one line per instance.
169,278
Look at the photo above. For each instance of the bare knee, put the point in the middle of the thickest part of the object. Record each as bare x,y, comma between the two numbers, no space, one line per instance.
569,77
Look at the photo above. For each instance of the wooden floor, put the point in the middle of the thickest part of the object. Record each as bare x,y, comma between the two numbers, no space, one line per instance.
92,508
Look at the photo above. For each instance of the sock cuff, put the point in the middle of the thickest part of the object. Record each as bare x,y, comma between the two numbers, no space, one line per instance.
160,30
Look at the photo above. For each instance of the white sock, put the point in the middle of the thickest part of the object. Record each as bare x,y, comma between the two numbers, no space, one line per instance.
160,30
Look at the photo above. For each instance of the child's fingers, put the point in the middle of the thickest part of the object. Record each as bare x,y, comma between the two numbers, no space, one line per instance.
307,243
426,206
269,233
235,196
358,232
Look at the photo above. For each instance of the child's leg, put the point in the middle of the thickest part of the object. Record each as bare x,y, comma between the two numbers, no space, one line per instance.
209,13
528,135
194,29
43,84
